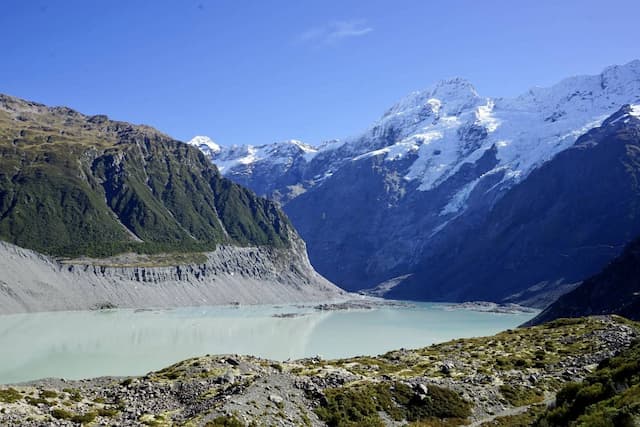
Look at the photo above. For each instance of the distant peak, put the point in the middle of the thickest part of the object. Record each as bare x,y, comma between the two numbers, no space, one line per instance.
456,85
448,96
206,142
632,65
299,144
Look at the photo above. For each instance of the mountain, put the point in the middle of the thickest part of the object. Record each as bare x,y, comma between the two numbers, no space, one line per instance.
146,219
72,185
269,170
566,221
615,290
419,182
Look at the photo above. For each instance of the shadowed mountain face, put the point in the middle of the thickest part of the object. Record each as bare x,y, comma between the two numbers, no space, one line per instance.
73,185
566,221
615,290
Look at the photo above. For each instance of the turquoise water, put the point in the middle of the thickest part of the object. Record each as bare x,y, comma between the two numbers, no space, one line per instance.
86,344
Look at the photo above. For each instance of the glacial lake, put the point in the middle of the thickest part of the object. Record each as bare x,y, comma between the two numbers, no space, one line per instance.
85,344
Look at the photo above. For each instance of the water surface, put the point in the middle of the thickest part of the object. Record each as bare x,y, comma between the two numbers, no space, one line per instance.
86,344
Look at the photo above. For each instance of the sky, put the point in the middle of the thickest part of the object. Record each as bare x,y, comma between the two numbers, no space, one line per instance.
255,72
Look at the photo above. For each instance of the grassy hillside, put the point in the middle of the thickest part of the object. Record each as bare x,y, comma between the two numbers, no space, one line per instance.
74,185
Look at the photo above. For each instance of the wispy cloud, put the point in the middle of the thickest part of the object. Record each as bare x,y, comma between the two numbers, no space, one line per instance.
334,31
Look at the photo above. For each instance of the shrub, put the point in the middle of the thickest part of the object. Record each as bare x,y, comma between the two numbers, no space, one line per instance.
10,395
49,394
360,405
610,396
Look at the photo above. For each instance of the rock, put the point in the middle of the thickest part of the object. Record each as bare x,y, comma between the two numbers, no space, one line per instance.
275,399
447,367
228,377
422,389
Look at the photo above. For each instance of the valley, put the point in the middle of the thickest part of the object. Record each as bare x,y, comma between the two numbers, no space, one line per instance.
463,260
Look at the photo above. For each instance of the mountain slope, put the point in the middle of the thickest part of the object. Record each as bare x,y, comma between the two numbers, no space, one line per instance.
72,185
84,187
567,220
426,175
615,290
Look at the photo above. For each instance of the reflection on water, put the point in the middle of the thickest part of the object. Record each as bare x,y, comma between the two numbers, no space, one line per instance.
128,342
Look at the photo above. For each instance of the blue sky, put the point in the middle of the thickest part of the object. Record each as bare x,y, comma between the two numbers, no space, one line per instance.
260,71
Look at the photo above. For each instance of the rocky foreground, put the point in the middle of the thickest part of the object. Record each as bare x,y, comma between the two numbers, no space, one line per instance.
497,380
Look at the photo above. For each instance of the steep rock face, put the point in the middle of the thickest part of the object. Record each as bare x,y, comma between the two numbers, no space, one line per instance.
420,181
615,290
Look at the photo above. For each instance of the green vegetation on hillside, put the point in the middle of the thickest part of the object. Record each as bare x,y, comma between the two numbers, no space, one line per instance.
74,185
608,397
361,404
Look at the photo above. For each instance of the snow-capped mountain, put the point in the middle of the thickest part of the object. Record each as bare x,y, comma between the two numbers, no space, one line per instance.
451,124
431,167
206,145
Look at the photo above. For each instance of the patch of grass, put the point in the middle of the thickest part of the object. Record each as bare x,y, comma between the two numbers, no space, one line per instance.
49,394
153,420
35,401
10,395
520,396
61,414
74,394
84,418
107,412
359,405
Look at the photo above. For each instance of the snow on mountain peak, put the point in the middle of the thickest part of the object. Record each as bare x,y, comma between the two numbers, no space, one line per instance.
230,157
205,144
526,131
452,95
